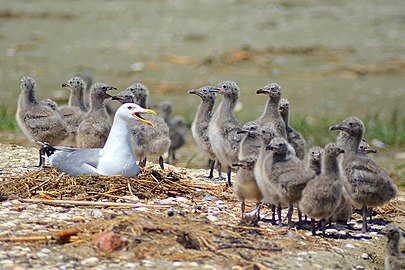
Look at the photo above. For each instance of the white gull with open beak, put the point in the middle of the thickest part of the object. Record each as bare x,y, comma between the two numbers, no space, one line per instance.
115,158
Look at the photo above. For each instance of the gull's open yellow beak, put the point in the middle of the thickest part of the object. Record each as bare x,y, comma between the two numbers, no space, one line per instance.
138,116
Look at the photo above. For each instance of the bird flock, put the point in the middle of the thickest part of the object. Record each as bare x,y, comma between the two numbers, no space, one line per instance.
269,158
272,165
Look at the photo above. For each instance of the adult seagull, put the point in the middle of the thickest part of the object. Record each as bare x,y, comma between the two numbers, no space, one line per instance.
115,158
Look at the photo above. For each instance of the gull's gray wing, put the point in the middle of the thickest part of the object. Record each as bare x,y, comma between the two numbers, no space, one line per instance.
76,161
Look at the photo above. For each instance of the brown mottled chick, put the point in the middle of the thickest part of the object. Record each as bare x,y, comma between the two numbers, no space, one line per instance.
394,259
95,127
367,184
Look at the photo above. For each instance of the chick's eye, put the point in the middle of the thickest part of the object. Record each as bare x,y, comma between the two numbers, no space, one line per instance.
280,144
224,86
350,123
263,131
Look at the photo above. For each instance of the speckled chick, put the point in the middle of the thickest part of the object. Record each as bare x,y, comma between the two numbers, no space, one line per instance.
224,126
245,185
271,115
96,124
315,159
199,127
87,77
177,129
284,173
294,137
322,195
39,122
367,184
147,141
50,103
74,112
177,134
394,259
345,209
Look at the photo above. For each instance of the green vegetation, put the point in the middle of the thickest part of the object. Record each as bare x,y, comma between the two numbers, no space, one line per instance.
7,120
389,130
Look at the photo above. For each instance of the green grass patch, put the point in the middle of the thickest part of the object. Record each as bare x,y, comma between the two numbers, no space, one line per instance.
390,130
7,120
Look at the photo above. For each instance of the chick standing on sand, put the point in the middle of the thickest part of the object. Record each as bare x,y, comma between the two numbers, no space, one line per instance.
284,173
39,122
245,186
199,127
224,126
321,196
367,184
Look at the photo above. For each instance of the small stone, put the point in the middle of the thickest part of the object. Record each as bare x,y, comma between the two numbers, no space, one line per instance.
45,250
302,253
32,206
6,262
350,246
365,256
331,231
96,213
178,264
212,218
131,265
42,255
108,241
25,215
182,199
63,216
91,261
6,204
360,267
209,197
290,234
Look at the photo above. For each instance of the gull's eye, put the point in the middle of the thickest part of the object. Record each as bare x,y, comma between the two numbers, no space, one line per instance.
130,108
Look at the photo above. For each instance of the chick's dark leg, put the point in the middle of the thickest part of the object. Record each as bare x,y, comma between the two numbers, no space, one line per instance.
364,222
160,163
219,169
229,175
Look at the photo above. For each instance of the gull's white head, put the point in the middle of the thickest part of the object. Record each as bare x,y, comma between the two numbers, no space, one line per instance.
131,111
